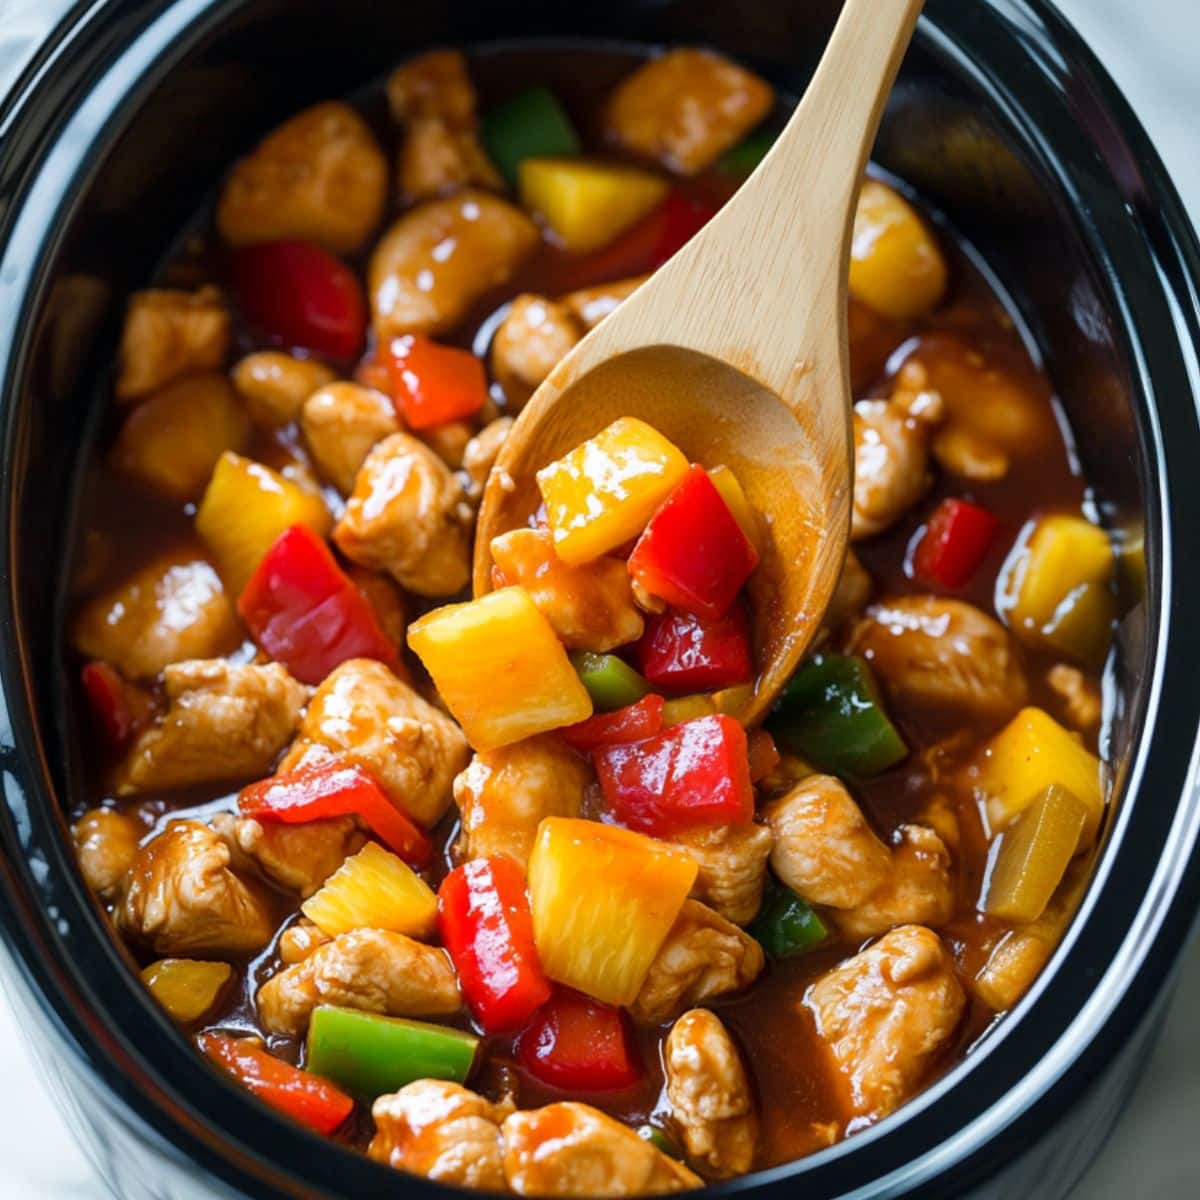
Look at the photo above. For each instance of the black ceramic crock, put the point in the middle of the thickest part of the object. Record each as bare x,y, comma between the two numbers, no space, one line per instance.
1002,118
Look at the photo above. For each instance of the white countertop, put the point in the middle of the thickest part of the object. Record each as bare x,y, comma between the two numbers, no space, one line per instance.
1150,47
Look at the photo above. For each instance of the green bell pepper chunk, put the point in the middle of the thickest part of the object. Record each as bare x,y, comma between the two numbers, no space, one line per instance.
371,1055
745,156
533,124
610,681
659,1140
831,713
786,925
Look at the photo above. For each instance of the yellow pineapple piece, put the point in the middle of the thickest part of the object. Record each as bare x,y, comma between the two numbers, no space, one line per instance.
187,988
373,889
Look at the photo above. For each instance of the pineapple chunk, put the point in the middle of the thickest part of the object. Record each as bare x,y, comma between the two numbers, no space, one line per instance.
186,988
587,204
678,709
603,901
245,508
726,483
500,668
601,494
373,889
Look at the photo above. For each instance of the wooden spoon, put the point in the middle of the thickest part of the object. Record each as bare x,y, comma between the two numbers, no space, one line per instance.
736,350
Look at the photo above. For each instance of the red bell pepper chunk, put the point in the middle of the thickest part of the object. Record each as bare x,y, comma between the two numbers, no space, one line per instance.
693,554
695,773
305,611
304,1097
679,652
580,1045
300,295
682,218
433,384
111,700
486,925
335,789
955,541
633,723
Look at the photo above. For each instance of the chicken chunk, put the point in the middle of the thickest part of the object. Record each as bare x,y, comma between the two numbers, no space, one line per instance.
704,957
572,1149
106,843
434,84
174,608
938,653
374,970
435,159
225,722
183,898
408,515
504,794
298,941
590,305
363,714
891,463
885,1015
274,385
686,108
443,1132
320,176
709,1095
964,452
850,596
440,257
448,441
169,334
1078,696
297,857
342,422
733,867
481,453
386,601
591,606
531,341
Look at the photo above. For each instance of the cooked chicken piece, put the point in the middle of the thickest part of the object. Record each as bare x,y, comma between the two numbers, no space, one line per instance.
172,609
298,941
686,108
341,424
591,305
733,867
434,84
1011,968
885,1015
710,1095
940,653
531,341
850,596
480,455
320,176
297,857
182,898
274,385
443,1132
448,441
436,159
703,958
106,843
1081,703
374,970
386,601
504,794
440,257
169,334
591,606
225,722
408,515
941,815
571,1149
963,452
363,714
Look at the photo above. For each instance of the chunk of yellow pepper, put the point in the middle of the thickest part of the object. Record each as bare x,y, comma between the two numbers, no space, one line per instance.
603,901
601,494
678,709
373,889
187,988
500,668
726,483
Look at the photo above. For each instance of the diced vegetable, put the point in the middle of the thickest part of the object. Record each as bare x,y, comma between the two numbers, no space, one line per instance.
786,925
485,924
726,482
370,1055
679,709
659,1140
604,900
245,508
119,708
298,1094
500,668
1030,858
373,889
682,218
335,789
762,753
299,295
611,682
956,539
577,1044
588,204
603,492
187,988
733,700
1056,587
630,724
743,158
695,773
431,383
1032,752
693,553
530,125
680,652
304,611
830,712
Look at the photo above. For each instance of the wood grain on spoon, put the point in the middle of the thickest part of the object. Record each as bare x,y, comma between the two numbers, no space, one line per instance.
736,349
